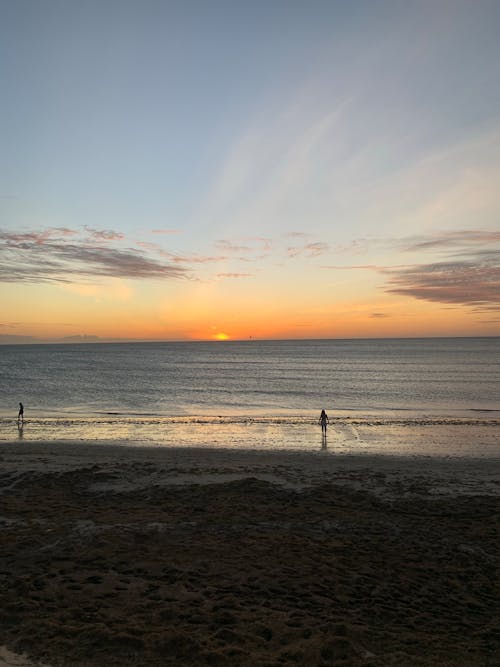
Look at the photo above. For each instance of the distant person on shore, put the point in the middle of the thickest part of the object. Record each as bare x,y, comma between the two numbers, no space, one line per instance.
20,414
323,420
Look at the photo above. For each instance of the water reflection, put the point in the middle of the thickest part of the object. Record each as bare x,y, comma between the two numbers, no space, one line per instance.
476,438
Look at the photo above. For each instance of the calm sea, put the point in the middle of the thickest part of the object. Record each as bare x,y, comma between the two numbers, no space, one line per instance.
130,387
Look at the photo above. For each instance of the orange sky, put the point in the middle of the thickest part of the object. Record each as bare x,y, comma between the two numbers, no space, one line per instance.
120,310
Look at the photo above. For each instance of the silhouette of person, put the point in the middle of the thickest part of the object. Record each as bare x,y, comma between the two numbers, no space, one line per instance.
323,420
20,415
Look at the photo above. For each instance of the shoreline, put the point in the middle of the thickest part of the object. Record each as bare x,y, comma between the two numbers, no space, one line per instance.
478,438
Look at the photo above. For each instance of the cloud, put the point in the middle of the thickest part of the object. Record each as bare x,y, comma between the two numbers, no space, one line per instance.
192,259
264,242
147,245
253,248
38,237
466,271
41,257
377,316
235,275
357,246
246,249
251,245
368,267
471,282
450,240
282,169
104,234
230,247
308,249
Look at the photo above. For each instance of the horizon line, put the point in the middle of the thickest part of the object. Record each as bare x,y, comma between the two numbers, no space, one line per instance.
95,340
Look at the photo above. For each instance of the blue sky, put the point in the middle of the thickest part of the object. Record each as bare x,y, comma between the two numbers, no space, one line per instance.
356,127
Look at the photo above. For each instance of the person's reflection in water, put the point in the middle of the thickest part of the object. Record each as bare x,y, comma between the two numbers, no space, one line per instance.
323,441
20,432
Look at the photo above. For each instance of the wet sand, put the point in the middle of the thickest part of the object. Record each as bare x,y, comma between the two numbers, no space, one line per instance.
197,556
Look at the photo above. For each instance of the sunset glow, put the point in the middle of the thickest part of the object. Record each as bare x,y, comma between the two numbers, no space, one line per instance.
329,173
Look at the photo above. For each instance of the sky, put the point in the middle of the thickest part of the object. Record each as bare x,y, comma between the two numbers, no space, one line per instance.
218,170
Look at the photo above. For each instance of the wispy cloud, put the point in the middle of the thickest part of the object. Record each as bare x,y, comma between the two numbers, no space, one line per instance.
180,257
38,237
185,259
279,172
250,245
466,272
231,247
451,240
235,275
472,282
48,256
308,249
246,249
348,267
250,249
463,268
104,234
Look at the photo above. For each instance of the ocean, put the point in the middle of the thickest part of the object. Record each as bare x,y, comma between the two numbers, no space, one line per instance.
142,392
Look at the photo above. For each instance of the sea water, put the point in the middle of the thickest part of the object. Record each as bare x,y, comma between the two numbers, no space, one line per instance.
211,390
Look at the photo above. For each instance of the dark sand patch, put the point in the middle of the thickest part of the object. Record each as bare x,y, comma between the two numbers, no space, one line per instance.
246,572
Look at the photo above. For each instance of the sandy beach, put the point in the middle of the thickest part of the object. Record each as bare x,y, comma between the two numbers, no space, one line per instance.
114,555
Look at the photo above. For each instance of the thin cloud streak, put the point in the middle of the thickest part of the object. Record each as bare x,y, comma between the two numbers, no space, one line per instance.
309,249
255,247
230,247
235,275
453,239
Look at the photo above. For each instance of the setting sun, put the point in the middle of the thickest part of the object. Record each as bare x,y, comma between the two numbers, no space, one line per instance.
221,336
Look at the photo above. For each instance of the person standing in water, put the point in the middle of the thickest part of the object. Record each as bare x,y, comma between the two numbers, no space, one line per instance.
20,414
323,420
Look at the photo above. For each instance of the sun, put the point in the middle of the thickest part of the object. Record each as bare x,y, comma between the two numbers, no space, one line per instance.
221,336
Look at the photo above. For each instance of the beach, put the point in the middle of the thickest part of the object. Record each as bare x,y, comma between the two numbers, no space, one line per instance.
132,555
